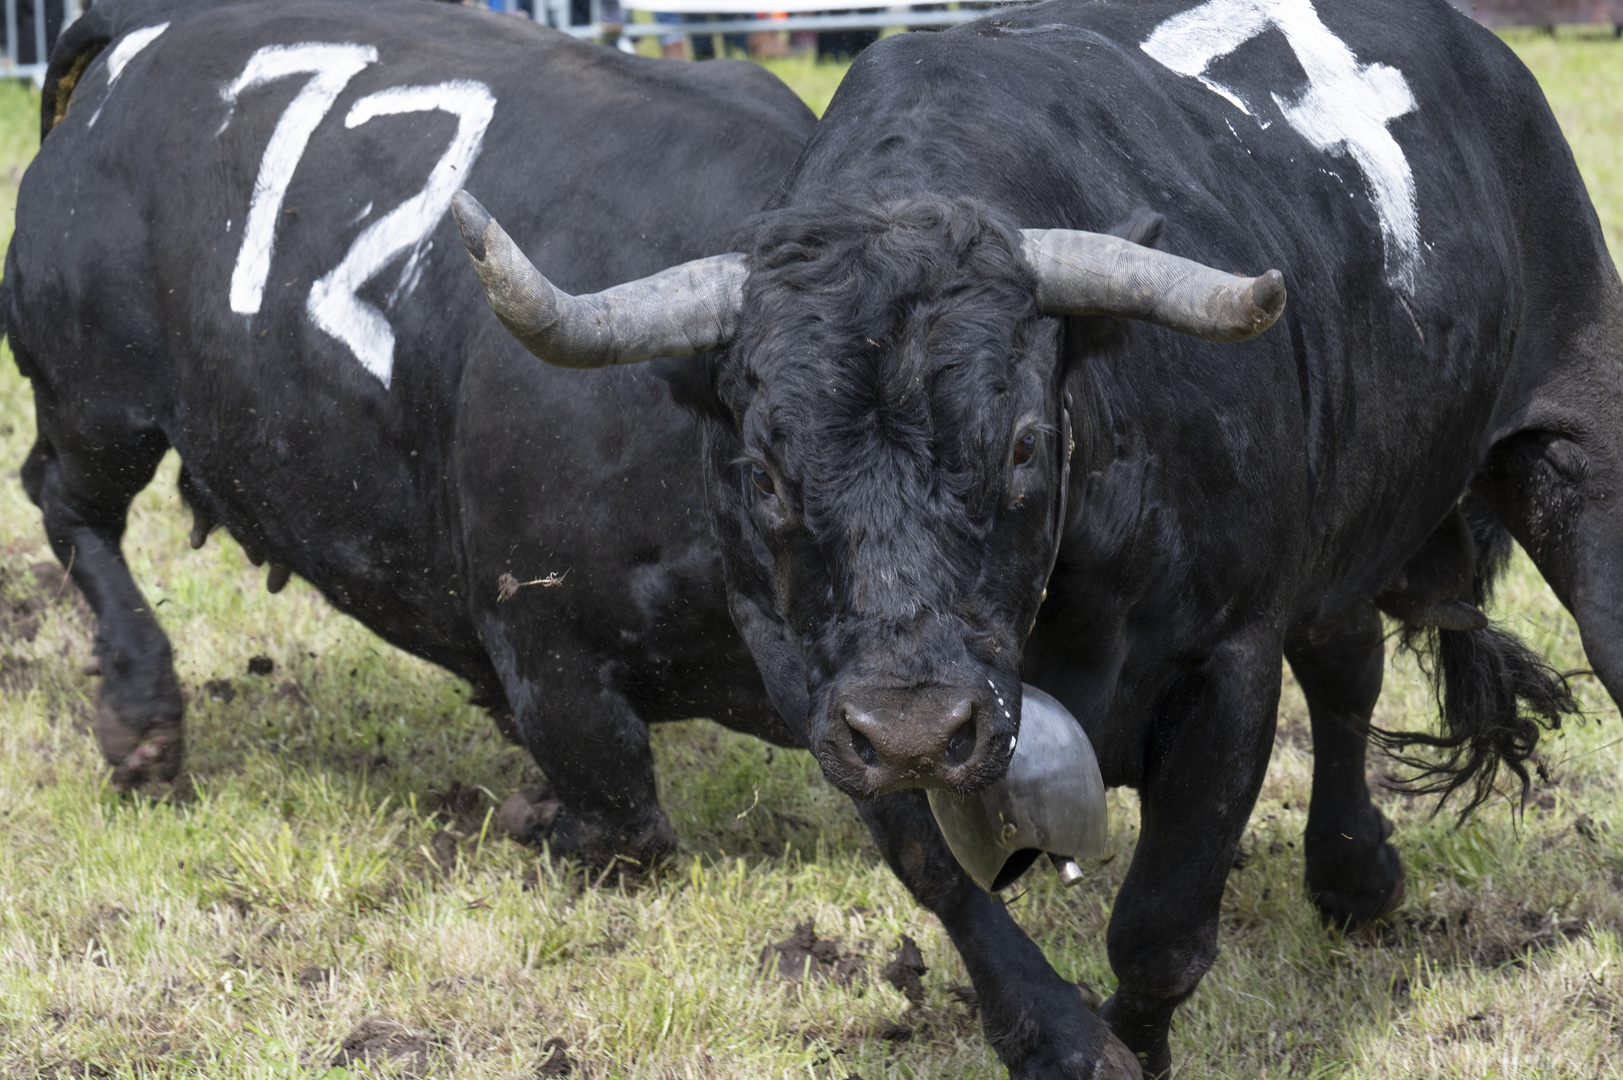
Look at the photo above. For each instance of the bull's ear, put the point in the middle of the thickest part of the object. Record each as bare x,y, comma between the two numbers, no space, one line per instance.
1142,227
692,380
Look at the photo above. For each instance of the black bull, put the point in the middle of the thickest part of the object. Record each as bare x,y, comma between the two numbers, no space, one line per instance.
233,242
899,354
882,437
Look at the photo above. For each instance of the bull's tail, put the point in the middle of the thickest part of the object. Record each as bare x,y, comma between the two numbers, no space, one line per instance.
1496,696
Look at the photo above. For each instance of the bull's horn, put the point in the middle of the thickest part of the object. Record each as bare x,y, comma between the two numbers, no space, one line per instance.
676,312
1083,273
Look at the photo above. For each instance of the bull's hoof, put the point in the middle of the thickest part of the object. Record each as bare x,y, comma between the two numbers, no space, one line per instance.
1359,880
139,753
536,816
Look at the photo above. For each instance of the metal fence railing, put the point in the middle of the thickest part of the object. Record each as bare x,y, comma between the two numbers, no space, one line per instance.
31,28
614,20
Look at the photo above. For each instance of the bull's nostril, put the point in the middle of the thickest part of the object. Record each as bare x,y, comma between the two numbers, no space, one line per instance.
961,743
864,749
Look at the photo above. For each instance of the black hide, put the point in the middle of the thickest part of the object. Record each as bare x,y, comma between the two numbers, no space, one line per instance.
405,502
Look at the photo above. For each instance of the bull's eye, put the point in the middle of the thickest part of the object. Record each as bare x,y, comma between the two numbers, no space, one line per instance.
1024,448
763,480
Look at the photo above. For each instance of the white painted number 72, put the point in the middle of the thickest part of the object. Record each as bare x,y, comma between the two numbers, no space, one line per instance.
332,304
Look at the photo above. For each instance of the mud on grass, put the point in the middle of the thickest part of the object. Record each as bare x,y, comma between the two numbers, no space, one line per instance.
328,895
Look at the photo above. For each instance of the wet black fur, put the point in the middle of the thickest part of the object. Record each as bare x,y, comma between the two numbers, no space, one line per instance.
1494,694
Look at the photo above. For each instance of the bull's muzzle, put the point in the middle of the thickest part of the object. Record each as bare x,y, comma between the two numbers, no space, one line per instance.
884,739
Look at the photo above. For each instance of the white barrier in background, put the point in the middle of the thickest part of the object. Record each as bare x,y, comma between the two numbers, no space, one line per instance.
802,15
35,70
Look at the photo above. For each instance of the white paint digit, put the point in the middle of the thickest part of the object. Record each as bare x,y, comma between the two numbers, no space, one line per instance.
333,305
1344,109
126,50
330,67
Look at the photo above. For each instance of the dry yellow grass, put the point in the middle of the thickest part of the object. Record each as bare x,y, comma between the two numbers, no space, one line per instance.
331,875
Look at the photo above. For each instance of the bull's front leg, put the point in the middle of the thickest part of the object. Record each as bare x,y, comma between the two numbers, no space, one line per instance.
1033,1017
1205,762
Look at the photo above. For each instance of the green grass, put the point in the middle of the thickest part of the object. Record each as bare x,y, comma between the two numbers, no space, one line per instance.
331,872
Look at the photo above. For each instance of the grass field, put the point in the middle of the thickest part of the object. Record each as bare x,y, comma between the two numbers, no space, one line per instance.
325,897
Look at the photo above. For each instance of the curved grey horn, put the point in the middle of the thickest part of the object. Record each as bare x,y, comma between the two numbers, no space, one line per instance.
1083,273
676,312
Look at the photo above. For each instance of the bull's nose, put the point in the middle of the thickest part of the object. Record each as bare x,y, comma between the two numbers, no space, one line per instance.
909,738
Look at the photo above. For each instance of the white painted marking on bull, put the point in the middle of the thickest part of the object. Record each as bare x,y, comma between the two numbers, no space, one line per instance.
1344,108
333,305
127,48
330,67
125,51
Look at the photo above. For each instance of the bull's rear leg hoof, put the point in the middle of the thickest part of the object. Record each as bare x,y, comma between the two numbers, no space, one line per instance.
1359,879
140,753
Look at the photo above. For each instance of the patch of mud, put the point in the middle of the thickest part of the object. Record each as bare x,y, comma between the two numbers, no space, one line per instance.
289,692
17,675
73,1069
25,597
443,848
220,690
805,953
313,978
462,807
377,1040
1478,1027
906,969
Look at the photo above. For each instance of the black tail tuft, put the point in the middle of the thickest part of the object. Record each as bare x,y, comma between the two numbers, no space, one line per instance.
1494,546
1496,697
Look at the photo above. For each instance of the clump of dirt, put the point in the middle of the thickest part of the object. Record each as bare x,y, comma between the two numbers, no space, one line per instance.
220,690
378,1039
906,969
527,815
261,665
558,1062
805,953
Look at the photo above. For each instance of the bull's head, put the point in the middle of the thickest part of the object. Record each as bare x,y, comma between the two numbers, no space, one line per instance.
890,464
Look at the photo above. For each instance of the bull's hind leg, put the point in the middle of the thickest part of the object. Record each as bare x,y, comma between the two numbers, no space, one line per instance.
1353,874
82,474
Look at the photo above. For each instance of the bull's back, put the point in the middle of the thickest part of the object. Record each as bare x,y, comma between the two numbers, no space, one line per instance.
1393,159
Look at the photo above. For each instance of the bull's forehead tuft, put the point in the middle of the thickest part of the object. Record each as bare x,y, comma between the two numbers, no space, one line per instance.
891,329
